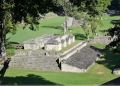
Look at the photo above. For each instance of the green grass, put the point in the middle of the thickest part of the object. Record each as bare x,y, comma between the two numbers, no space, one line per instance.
106,23
98,74
46,27
52,26
10,52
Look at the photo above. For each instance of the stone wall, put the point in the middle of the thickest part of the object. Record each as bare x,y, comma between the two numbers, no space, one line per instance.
49,42
35,61
60,42
69,68
50,47
101,40
32,46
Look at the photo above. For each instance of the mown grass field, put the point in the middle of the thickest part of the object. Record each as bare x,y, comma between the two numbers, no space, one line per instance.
99,74
96,76
52,26
47,26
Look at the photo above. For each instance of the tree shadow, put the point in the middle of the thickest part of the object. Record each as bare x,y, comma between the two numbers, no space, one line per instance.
30,79
109,59
79,36
53,27
4,68
103,31
112,82
115,22
10,44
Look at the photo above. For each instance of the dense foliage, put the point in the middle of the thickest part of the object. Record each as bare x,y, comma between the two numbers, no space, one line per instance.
115,34
30,11
14,11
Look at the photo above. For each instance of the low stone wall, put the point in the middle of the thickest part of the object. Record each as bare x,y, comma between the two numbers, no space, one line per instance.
32,46
69,68
101,40
50,47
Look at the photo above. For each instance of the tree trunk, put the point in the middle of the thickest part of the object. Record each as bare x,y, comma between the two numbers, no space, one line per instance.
2,41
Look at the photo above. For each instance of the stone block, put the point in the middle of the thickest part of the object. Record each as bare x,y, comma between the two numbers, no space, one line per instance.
116,71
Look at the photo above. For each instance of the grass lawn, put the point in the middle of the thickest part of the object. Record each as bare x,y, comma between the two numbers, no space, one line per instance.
47,26
52,26
99,74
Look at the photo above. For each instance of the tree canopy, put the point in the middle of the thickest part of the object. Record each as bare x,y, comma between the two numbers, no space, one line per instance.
30,11
13,11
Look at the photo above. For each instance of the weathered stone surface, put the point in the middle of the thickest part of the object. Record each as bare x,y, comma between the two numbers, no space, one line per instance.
69,22
49,42
101,40
80,61
35,62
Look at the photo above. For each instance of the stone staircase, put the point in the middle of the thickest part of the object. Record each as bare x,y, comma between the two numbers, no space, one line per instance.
34,60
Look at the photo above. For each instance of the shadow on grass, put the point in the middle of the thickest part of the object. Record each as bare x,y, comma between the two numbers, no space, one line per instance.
112,82
110,59
53,27
79,36
4,68
103,31
10,44
115,21
30,79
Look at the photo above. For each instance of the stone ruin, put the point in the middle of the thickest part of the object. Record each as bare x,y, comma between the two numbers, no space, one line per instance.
49,42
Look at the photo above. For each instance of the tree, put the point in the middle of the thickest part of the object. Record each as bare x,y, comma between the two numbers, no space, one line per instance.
94,10
67,11
13,11
114,32
5,24
115,5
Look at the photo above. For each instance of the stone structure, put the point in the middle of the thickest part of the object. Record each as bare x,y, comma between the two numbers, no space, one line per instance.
81,61
74,58
116,71
101,39
49,42
59,42
68,23
34,59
